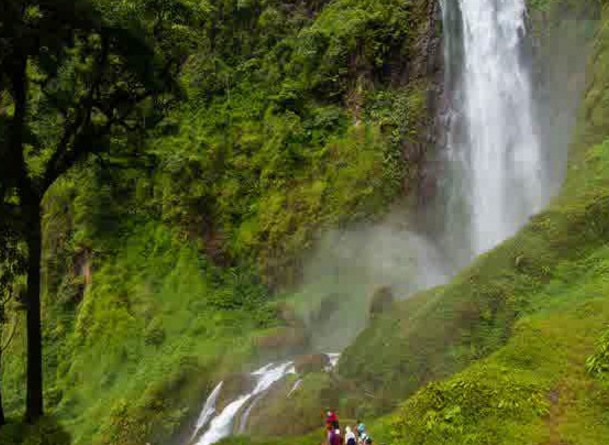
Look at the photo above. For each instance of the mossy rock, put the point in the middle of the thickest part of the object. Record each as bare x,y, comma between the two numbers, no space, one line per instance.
282,340
233,386
382,299
306,364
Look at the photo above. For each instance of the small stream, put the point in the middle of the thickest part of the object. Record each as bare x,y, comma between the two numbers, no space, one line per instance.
213,426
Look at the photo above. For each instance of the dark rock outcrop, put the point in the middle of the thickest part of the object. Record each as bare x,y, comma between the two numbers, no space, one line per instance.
233,386
382,300
306,364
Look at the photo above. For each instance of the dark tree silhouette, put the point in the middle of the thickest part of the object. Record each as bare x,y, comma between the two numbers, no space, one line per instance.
73,82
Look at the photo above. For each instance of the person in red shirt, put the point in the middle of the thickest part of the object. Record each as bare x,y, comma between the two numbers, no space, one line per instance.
332,420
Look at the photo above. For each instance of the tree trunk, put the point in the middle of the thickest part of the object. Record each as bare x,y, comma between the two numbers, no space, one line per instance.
34,405
2,419
30,204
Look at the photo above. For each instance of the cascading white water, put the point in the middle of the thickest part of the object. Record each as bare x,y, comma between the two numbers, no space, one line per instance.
212,427
209,409
493,150
221,425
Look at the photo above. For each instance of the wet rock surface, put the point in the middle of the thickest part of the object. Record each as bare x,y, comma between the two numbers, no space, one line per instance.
306,364
382,299
276,414
234,385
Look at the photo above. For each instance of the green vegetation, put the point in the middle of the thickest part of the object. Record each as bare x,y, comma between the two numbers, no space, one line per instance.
522,322
533,390
162,253
514,349
163,239
306,127
73,83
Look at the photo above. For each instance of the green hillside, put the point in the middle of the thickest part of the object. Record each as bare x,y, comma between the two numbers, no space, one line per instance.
174,267
527,321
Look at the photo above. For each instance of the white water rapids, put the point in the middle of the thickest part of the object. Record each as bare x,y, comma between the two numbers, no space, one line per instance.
221,424
212,426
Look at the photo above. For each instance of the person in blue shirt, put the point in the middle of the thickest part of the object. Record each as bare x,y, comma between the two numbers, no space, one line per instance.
361,429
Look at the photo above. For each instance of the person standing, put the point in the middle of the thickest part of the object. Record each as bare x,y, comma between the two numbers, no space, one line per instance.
337,438
332,420
329,436
350,437
361,429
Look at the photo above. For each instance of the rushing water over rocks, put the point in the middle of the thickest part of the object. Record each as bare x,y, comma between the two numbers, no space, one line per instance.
213,426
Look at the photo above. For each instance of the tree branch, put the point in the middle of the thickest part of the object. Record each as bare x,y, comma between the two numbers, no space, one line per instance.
17,124
63,158
10,339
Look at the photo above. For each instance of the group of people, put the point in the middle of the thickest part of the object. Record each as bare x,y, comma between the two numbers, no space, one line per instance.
355,436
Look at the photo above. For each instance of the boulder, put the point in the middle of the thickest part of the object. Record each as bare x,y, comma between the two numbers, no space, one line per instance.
282,340
306,364
328,306
382,299
234,385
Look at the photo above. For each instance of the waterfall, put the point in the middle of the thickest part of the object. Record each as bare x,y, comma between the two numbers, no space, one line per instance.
212,427
209,409
222,424
493,162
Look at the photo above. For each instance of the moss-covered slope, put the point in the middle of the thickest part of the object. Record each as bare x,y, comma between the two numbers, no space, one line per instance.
442,331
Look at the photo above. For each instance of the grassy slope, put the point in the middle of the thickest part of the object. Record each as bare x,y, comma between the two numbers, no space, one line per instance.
533,390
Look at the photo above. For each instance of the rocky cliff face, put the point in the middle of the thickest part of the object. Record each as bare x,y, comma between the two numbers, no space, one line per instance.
425,70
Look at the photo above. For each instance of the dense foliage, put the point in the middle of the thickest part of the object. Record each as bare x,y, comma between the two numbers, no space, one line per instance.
161,253
164,232
297,120
598,363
